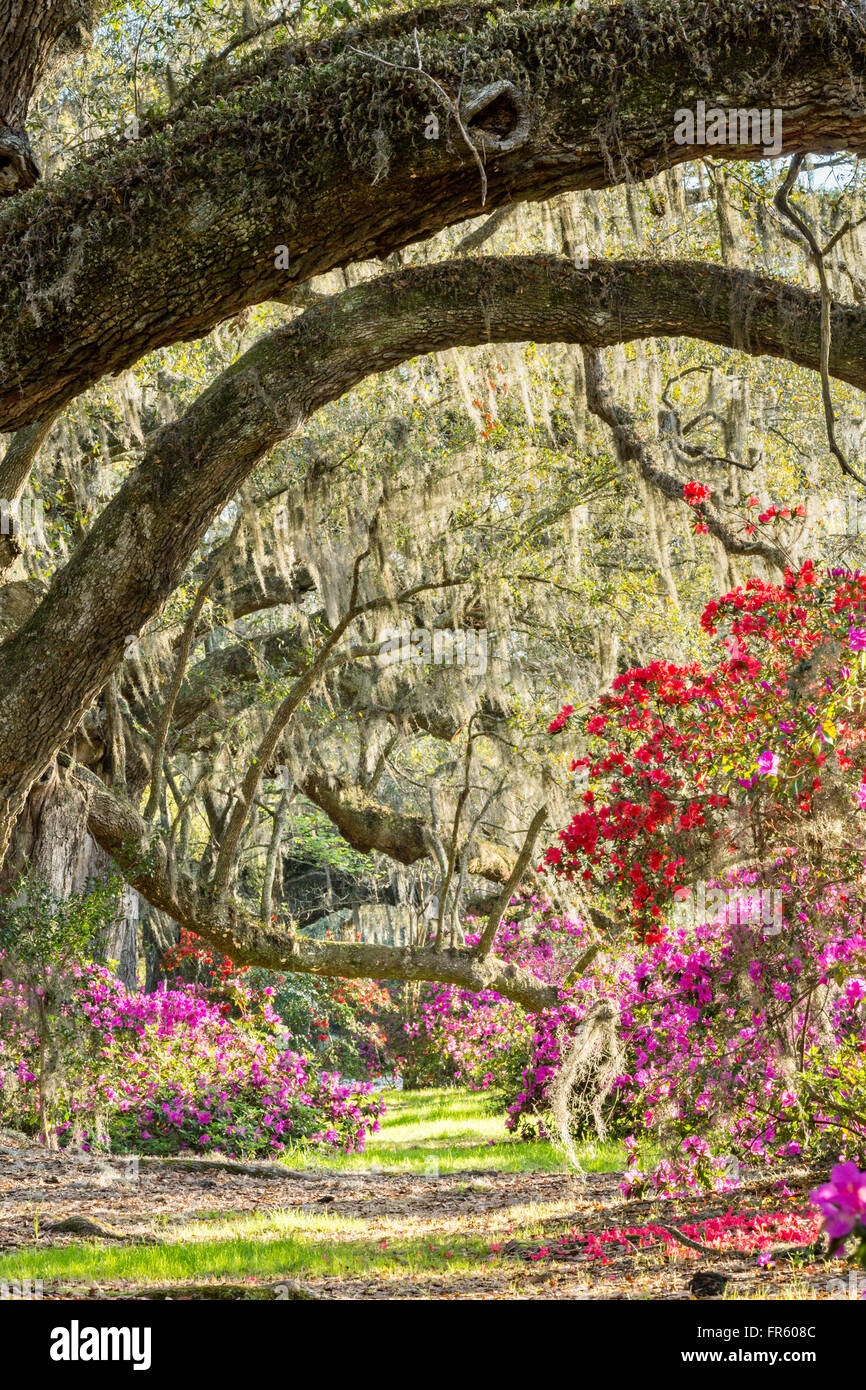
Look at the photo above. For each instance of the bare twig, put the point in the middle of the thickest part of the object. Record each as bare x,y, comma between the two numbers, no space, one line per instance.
455,831
488,935
184,649
784,207
452,105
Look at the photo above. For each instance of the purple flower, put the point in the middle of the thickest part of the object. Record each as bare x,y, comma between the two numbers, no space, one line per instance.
857,639
842,1200
768,763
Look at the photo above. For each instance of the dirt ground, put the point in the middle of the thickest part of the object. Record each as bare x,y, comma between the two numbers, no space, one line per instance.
544,1235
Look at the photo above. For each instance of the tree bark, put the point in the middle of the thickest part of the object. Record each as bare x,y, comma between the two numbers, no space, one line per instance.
122,944
367,825
36,36
51,838
320,149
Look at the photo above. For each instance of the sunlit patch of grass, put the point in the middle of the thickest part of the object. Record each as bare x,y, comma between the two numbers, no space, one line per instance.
291,1256
446,1131
435,1132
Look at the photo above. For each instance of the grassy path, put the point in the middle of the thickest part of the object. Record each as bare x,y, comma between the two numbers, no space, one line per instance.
448,1131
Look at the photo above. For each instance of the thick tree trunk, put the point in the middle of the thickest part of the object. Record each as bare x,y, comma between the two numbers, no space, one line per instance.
50,838
122,943
35,37
119,943
52,841
158,934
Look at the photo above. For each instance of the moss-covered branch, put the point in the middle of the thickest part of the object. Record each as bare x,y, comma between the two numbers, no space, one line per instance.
231,928
322,150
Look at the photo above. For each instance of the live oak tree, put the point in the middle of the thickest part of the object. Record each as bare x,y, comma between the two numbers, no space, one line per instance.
315,153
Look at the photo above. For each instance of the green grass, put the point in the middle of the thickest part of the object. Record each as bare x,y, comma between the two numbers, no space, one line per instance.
455,1130
312,1252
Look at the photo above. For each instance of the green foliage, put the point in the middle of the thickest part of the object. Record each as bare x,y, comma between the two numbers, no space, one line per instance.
829,1117
342,1023
39,930
43,942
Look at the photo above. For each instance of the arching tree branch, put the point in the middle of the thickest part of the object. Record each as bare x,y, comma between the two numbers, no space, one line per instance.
159,239
226,925
136,552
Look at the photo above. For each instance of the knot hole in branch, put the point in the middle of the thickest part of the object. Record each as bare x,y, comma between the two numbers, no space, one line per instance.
18,171
496,117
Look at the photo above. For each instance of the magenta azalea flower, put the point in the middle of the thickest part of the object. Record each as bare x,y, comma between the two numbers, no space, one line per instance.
857,639
855,992
842,1200
768,763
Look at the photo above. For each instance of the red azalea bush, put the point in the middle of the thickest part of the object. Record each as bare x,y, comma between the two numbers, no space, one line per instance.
191,961
746,759
343,1023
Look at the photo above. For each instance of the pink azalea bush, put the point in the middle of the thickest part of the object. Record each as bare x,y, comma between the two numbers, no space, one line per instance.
738,1038
741,1045
170,1072
481,1040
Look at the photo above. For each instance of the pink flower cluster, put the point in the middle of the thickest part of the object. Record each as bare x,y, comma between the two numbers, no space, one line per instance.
842,1201
169,1071
709,1018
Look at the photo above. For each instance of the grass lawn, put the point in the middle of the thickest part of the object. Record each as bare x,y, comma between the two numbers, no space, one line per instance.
447,1131
293,1244
484,1223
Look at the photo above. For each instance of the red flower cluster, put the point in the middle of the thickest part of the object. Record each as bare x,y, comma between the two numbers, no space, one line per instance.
695,493
680,741
561,719
189,948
